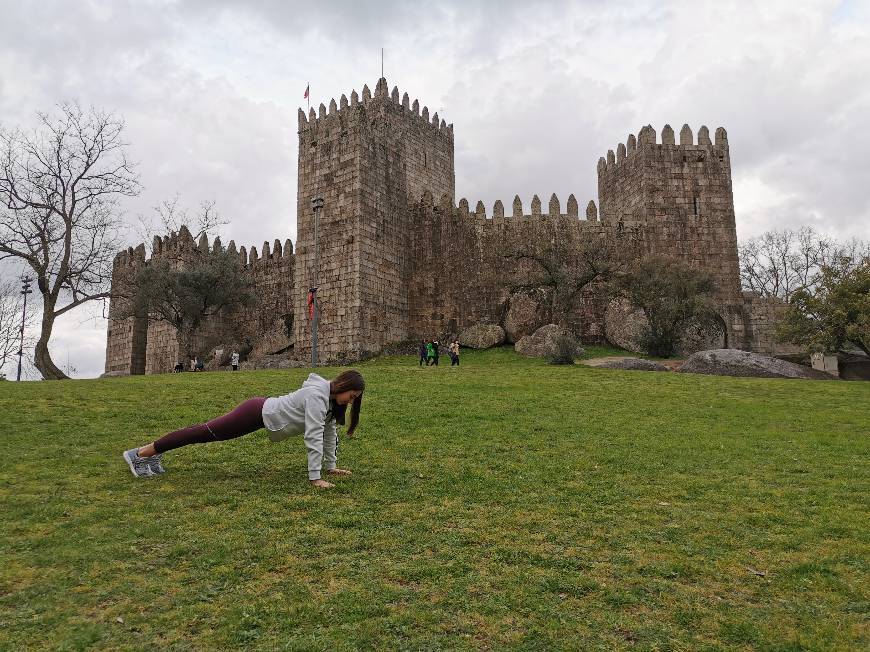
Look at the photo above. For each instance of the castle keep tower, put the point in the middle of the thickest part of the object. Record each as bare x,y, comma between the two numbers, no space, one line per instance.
681,193
370,158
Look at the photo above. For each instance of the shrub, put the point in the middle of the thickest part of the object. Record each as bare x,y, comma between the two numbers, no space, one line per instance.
566,348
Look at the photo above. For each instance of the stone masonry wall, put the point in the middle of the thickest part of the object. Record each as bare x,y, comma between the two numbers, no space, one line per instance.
126,337
753,320
142,345
465,264
682,194
368,158
400,260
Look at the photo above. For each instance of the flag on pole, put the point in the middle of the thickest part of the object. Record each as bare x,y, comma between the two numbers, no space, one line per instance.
312,297
305,97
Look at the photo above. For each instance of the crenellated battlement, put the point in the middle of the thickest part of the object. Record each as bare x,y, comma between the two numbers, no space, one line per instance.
267,255
347,109
180,244
554,209
646,139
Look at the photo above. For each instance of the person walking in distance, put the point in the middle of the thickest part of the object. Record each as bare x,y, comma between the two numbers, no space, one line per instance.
453,349
436,352
234,360
424,353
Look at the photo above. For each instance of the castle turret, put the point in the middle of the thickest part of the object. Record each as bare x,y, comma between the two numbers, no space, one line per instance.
681,193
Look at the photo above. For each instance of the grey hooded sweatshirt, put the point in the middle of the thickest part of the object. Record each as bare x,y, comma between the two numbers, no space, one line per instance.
304,411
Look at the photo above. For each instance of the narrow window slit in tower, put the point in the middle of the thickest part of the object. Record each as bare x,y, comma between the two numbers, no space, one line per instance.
695,204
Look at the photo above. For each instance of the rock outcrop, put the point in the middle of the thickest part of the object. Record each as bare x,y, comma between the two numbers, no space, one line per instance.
542,343
482,336
733,362
630,364
524,316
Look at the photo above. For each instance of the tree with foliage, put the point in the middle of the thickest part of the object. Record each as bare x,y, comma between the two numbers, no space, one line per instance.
184,294
59,192
779,263
673,297
835,314
562,263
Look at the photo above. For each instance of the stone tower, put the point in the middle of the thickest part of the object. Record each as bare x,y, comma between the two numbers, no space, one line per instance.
370,158
681,193
127,337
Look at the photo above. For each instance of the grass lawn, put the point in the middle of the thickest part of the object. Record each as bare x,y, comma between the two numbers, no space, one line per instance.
502,504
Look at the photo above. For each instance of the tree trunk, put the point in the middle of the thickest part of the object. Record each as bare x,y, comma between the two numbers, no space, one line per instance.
185,339
41,356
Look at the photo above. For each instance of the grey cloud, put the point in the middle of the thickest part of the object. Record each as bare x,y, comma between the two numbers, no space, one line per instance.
352,22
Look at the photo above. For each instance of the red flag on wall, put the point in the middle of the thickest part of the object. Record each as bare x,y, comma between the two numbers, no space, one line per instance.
312,297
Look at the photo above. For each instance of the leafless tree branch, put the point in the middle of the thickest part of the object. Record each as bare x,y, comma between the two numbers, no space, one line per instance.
59,191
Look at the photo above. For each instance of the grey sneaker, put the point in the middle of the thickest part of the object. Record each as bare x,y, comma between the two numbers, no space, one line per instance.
138,465
155,464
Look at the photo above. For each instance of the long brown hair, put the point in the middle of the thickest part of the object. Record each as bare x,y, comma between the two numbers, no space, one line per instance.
346,381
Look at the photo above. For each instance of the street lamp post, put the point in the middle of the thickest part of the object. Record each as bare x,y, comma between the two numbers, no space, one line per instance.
25,290
317,206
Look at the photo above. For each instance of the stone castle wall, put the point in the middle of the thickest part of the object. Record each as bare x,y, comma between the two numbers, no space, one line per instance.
142,345
657,198
400,260
466,264
127,336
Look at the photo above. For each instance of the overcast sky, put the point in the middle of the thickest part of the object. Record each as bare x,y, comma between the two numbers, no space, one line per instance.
537,91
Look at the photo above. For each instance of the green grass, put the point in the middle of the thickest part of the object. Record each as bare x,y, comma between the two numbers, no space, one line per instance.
503,504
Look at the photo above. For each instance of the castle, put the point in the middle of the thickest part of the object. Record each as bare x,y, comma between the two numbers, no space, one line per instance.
400,260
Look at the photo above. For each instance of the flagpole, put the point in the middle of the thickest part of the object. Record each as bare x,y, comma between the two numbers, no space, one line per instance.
308,97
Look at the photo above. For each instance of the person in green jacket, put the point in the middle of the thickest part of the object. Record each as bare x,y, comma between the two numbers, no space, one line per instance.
430,353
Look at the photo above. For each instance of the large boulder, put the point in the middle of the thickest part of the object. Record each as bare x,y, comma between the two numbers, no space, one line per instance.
733,362
525,315
630,364
276,338
624,326
698,339
482,336
542,343
115,374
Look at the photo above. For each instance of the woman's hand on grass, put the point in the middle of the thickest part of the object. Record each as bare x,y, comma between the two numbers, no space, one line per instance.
339,472
322,484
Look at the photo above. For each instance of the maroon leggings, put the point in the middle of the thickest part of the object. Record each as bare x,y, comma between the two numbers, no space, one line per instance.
246,418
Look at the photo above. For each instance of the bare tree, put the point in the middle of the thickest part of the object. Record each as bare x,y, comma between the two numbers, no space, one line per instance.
60,187
778,263
169,216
